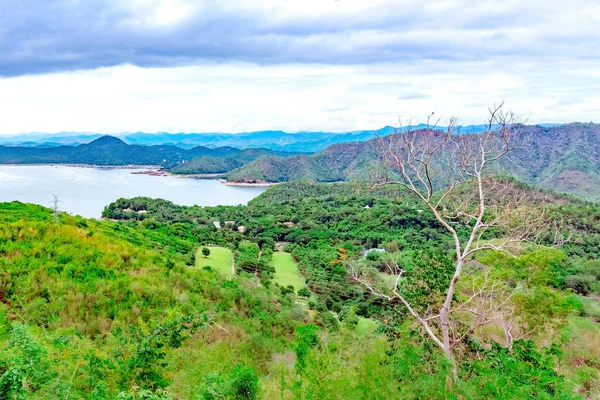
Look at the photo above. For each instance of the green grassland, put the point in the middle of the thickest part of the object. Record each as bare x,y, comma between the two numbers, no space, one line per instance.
286,271
220,260
365,326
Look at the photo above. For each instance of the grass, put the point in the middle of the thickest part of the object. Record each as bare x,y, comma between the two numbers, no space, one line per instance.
591,306
365,326
286,271
220,259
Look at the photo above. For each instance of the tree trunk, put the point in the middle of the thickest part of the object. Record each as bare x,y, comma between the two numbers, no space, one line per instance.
445,322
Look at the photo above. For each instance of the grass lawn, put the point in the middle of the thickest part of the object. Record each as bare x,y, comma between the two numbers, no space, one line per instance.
219,260
286,271
365,326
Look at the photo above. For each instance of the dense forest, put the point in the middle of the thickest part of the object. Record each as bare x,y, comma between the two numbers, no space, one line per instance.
220,165
120,308
565,158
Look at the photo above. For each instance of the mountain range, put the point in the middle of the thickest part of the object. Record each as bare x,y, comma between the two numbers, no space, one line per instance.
564,158
108,150
272,139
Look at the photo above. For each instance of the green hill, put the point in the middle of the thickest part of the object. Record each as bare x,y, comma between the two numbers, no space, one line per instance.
206,165
218,165
564,158
120,308
108,150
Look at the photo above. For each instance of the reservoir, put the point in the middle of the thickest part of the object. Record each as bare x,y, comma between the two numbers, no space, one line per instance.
86,190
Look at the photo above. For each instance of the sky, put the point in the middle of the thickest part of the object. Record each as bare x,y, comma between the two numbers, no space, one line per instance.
112,66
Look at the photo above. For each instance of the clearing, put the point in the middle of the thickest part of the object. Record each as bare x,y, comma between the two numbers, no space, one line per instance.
286,271
220,259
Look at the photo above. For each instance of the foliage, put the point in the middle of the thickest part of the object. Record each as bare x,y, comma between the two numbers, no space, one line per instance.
111,309
546,159
242,384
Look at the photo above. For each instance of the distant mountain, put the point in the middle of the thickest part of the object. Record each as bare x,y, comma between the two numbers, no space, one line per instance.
109,150
273,139
564,158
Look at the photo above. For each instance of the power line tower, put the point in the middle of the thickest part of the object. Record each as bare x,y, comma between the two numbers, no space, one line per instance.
56,210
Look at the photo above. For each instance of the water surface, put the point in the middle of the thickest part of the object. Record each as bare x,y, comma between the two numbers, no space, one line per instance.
86,191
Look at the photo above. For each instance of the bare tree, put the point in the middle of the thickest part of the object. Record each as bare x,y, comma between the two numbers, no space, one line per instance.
448,173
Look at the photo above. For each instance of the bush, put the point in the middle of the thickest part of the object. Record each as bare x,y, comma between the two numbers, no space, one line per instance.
348,317
373,256
591,267
582,284
242,384
289,289
328,320
392,247
304,292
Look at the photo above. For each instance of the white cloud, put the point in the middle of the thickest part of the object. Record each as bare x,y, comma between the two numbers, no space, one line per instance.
236,97
190,65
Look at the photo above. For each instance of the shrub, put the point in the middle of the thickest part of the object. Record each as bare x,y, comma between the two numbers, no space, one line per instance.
582,284
328,320
242,384
373,256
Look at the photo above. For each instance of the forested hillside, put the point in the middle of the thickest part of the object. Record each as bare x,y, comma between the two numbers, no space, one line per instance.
564,158
117,308
219,165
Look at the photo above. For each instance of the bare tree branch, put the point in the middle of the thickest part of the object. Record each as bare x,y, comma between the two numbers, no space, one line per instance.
448,172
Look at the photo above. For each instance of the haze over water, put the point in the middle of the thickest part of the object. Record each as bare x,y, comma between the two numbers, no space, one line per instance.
86,191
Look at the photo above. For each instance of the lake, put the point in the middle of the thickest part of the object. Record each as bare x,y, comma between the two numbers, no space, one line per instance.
86,191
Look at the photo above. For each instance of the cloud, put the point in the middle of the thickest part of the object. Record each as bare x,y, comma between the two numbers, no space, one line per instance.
240,97
38,36
190,65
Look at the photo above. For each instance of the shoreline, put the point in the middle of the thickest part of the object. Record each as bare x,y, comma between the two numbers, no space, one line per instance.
195,176
152,170
249,184
128,166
